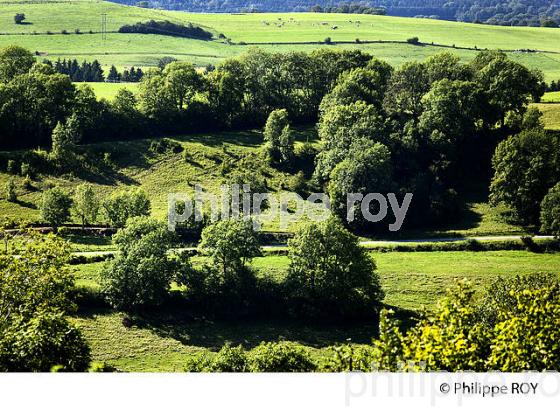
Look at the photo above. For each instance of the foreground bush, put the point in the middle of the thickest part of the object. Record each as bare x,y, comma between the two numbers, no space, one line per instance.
280,357
42,342
519,331
35,286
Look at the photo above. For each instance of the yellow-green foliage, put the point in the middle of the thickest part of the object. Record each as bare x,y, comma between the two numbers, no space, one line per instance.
528,338
455,337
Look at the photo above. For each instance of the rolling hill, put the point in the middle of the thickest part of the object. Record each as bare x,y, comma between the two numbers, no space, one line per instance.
383,36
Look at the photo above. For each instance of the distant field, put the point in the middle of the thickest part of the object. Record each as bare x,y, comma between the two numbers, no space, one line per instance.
144,50
109,90
552,97
551,115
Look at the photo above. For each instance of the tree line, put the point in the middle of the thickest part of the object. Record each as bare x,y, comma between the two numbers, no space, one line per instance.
85,72
426,127
167,28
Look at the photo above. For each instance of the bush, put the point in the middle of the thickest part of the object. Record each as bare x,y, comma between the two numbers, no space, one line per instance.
121,206
11,167
55,207
141,273
45,341
35,291
280,357
11,194
268,357
165,145
413,40
527,337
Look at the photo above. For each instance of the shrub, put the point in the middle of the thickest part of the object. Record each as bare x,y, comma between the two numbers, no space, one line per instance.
35,290
55,207
26,170
501,295
165,145
413,40
141,273
280,357
11,167
527,337
27,184
42,342
350,358
11,194
121,206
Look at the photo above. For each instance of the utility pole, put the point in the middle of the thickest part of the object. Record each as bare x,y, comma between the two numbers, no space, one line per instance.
104,26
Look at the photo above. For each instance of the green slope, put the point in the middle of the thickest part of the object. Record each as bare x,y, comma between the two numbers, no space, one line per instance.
294,28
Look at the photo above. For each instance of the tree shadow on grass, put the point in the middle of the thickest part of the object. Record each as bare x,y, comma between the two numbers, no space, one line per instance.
213,334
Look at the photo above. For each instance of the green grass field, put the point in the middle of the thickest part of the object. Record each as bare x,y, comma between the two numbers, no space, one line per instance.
551,97
124,50
411,281
551,115
109,90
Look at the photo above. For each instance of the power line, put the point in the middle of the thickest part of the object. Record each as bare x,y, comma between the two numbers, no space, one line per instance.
104,26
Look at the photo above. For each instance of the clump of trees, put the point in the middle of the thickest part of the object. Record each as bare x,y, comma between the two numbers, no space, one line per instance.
35,288
330,273
279,139
167,28
132,75
418,128
141,273
85,72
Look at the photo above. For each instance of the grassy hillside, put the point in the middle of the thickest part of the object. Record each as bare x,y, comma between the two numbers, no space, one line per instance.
411,280
210,160
551,115
145,50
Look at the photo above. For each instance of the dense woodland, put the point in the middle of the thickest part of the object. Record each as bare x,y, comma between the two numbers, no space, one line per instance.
500,12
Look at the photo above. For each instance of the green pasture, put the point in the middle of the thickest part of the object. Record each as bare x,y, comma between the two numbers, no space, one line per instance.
109,90
551,115
162,341
291,29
